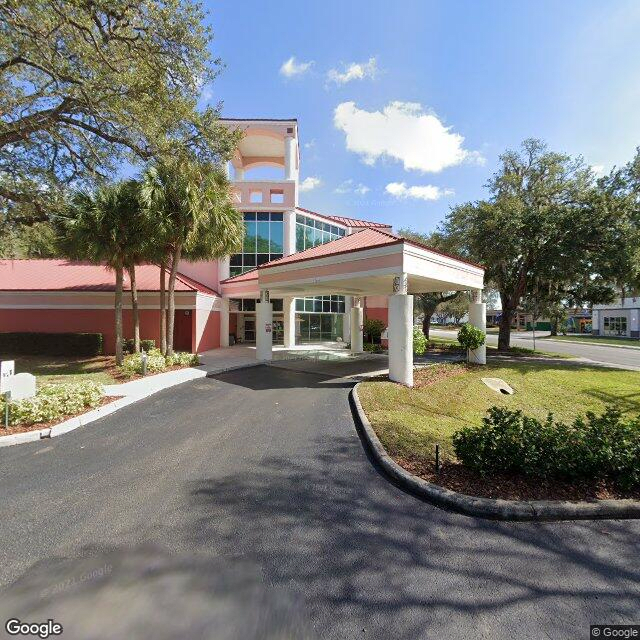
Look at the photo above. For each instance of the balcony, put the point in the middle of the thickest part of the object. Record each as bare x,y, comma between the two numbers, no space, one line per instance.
264,195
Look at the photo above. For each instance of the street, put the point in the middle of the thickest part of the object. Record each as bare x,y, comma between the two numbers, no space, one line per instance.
246,504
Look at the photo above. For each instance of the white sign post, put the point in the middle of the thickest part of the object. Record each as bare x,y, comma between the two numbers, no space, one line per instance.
7,371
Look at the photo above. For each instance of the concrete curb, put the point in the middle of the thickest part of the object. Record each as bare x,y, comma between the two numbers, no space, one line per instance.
520,510
95,414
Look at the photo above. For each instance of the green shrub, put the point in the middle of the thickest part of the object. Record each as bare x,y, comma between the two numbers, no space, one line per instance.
146,345
156,362
419,341
471,337
373,329
184,359
51,344
372,348
54,402
603,447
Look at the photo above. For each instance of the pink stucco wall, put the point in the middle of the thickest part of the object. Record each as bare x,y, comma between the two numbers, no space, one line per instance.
207,331
204,271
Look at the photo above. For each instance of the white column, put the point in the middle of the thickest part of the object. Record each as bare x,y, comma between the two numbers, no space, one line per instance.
401,338
224,322
289,232
224,270
289,309
357,324
478,318
595,322
346,319
290,159
264,328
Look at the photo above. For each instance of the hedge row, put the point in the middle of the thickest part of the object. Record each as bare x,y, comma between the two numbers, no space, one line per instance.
51,344
600,447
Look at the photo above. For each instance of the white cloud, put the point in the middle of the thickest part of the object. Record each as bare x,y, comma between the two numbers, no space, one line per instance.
405,132
598,169
354,71
418,192
310,145
349,186
291,67
309,183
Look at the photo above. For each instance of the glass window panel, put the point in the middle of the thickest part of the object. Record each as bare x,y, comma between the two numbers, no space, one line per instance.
235,271
317,305
342,232
299,237
249,215
235,260
326,306
308,304
277,304
263,216
262,258
262,241
299,304
277,237
276,217
308,237
249,305
325,237
300,219
276,256
249,245
249,259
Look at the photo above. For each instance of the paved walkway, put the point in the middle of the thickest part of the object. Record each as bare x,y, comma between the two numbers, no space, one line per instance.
244,506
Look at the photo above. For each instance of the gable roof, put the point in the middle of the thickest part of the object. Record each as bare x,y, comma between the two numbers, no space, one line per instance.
354,223
68,275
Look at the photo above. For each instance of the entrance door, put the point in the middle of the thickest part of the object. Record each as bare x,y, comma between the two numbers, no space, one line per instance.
182,330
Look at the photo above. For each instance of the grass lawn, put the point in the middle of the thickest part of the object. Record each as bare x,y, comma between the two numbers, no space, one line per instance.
409,422
632,342
64,369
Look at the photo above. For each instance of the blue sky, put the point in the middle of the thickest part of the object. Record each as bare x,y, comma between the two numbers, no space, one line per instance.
404,107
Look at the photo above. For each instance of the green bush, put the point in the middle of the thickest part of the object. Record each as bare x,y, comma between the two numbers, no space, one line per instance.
184,359
51,344
372,348
373,329
419,341
146,345
132,364
471,337
54,402
603,447
156,362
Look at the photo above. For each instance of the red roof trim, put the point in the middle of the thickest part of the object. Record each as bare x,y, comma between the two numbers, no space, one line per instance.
338,219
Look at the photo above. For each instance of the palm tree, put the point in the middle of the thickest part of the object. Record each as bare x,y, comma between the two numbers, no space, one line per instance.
105,227
191,204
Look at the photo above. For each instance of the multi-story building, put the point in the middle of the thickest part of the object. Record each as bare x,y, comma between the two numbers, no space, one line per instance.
277,226
302,276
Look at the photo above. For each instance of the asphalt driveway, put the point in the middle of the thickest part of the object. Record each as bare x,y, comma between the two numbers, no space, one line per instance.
244,506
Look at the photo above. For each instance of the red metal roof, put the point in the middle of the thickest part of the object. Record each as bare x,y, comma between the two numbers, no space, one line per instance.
358,241
354,223
243,277
67,275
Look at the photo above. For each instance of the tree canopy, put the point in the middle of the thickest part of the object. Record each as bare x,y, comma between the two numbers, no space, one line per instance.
87,85
543,229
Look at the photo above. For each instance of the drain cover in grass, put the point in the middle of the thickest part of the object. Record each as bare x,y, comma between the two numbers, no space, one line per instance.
498,385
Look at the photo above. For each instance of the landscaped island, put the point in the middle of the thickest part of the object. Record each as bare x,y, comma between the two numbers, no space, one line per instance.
449,397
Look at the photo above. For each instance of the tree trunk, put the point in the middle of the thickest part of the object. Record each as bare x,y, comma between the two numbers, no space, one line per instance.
118,309
171,307
134,308
426,324
504,333
163,309
554,327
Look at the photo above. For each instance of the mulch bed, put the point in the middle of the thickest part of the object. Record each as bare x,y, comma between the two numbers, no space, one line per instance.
457,477
24,428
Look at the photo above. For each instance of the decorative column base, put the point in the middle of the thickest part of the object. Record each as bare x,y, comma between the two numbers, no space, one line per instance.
289,310
224,322
264,331
478,318
401,339
357,325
